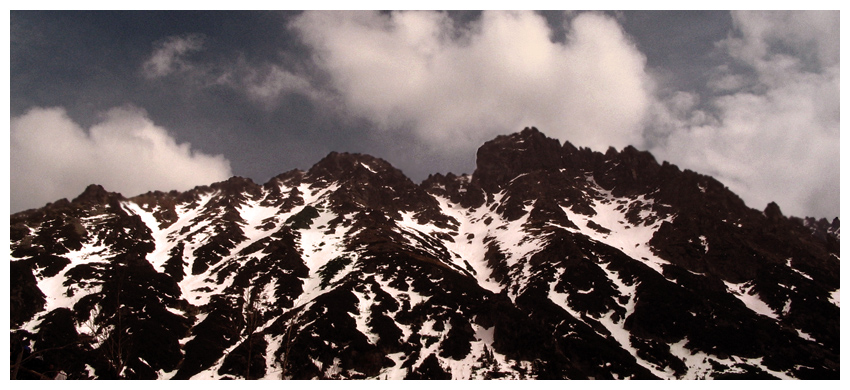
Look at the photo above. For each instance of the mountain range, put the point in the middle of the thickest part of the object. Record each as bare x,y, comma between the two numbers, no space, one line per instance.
547,262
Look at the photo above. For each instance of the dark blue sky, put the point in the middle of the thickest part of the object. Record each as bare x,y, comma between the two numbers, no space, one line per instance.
266,92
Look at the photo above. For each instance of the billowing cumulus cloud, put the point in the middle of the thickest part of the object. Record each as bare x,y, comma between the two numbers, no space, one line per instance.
52,157
760,111
766,123
455,86
770,128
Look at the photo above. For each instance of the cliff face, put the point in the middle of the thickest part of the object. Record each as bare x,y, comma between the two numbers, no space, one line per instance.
549,261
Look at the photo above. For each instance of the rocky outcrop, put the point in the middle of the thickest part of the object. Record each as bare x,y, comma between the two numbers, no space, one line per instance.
508,156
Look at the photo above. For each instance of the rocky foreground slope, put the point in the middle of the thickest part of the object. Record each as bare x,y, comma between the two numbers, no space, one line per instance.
549,261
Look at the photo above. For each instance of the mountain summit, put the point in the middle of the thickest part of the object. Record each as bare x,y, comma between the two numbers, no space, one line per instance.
548,262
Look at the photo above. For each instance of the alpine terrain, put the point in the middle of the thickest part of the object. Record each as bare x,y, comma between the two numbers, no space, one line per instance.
548,262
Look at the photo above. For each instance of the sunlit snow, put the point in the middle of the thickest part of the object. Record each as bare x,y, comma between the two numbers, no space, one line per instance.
632,240
744,293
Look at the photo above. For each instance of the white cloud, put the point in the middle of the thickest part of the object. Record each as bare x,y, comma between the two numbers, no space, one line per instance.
267,83
768,36
772,133
52,157
765,124
263,83
275,81
169,55
456,86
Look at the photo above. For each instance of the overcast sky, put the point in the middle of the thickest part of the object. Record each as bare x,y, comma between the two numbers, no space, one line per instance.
140,101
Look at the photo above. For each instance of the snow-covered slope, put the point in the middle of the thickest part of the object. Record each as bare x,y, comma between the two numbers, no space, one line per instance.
547,262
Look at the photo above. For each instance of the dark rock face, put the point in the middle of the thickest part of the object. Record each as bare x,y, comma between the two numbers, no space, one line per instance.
508,156
548,262
26,298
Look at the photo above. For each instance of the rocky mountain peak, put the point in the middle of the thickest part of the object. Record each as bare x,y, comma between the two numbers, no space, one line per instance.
507,156
235,184
355,167
95,194
366,182
549,262
822,229
772,211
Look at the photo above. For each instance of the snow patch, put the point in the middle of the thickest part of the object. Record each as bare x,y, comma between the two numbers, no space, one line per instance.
362,318
368,167
621,335
805,336
56,293
633,240
835,297
744,293
396,372
801,273
469,243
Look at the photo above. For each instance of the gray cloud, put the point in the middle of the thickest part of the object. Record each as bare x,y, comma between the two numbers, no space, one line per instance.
751,99
766,123
169,55
270,83
771,127
267,83
264,83
52,157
